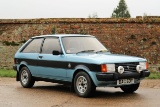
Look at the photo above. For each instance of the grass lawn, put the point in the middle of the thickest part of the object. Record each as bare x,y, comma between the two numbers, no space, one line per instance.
7,73
12,74
154,75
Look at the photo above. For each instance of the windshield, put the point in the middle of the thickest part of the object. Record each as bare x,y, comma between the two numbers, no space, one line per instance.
74,45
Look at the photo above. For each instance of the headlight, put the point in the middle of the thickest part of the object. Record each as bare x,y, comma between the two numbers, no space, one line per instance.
108,68
144,65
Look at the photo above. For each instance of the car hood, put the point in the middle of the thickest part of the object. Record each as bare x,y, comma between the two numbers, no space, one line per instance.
104,58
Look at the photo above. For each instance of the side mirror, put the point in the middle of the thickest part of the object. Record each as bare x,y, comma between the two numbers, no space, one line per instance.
56,52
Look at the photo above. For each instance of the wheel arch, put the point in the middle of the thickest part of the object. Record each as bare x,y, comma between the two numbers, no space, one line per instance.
82,68
20,66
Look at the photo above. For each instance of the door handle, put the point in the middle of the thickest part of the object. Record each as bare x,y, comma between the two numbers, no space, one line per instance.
40,57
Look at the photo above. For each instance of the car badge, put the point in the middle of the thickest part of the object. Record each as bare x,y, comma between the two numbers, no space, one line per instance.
69,65
128,67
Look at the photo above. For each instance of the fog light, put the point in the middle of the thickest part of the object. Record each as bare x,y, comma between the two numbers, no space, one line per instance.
139,68
120,69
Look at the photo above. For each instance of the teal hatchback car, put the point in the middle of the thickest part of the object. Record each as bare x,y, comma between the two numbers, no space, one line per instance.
78,60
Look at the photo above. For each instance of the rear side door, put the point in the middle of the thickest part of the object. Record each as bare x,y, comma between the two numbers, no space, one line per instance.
52,66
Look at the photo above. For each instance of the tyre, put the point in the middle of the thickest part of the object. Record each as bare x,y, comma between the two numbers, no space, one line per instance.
130,88
83,85
26,78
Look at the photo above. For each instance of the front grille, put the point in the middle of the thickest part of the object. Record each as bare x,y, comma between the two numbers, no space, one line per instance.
128,67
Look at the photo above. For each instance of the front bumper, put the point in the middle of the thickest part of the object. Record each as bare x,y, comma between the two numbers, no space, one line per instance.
126,75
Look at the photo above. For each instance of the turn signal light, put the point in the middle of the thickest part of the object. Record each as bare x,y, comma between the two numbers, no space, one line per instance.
147,66
103,68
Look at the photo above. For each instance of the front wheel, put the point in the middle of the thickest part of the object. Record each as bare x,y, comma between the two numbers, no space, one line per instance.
83,85
130,88
26,78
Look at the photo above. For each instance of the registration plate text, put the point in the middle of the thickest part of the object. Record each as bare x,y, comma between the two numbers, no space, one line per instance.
125,81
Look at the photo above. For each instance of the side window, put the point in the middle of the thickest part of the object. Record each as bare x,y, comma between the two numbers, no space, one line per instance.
51,44
34,46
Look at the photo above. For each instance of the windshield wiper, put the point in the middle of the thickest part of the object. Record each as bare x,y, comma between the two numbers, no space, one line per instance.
102,51
85,51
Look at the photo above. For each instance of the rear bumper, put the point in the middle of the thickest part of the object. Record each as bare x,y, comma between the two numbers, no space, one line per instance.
117,76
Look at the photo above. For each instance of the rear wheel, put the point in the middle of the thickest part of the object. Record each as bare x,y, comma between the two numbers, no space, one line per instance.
83,85
26,78
130,88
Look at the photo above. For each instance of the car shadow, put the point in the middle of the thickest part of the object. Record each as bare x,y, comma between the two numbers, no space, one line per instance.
113,94
55,87
99,93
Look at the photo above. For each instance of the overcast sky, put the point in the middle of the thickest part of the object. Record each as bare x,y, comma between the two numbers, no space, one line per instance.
20,9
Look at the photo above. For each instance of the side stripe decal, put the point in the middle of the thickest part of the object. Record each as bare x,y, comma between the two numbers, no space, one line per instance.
59,64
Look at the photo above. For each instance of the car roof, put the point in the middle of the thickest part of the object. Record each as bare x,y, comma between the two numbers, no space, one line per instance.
62,35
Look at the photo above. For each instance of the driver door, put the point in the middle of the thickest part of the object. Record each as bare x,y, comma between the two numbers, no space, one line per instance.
51,66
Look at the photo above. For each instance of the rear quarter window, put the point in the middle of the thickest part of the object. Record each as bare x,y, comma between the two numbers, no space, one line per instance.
34,46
